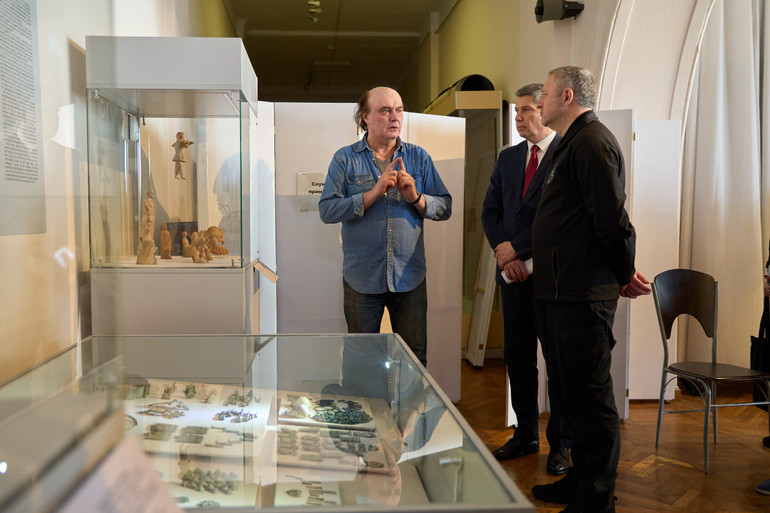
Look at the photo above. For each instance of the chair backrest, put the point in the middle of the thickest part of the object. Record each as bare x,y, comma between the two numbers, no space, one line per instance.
684,291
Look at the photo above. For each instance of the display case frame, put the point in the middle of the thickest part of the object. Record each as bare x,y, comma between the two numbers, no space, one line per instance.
396,441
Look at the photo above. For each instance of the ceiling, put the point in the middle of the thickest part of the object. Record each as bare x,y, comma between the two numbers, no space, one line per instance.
351,46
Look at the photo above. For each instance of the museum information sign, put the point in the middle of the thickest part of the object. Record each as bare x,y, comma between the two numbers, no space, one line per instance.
22,188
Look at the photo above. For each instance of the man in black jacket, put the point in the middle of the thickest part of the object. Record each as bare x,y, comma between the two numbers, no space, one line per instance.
583,249
509,209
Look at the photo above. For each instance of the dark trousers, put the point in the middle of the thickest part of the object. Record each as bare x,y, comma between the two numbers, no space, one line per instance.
524,324
408,315
580,344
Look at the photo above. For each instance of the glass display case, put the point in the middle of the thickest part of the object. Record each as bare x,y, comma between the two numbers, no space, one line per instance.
275,423
172,139
170,125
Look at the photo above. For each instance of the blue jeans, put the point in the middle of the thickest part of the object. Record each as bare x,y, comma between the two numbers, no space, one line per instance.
408,315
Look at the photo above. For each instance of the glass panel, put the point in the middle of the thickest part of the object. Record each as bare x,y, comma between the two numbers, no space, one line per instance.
45,414
165,177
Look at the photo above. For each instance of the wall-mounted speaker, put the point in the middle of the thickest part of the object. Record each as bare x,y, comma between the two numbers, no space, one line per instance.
551,10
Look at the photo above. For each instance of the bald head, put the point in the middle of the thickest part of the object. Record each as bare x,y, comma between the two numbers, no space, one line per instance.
380,113
364,104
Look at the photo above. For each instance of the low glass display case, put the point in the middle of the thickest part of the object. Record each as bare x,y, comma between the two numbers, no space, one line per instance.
170,124
244,423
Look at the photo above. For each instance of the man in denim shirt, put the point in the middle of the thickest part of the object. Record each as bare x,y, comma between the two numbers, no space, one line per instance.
380,189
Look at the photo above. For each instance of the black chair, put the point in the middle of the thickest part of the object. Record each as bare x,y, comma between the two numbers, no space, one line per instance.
682,291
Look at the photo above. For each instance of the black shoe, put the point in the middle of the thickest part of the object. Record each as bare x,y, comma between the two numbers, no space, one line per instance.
558,461
574,508
515,448
766,441
562,491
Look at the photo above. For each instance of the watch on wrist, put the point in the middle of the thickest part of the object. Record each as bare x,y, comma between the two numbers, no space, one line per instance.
416,200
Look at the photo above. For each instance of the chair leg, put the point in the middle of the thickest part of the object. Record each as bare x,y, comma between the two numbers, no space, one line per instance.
767,396
714,410
707,411
660,407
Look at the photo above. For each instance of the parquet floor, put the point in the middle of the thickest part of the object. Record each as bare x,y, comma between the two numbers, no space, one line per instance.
667,479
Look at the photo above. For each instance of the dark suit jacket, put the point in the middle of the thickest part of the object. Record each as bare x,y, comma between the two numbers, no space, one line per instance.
506,216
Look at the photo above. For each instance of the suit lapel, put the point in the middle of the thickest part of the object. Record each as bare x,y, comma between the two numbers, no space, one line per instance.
517,174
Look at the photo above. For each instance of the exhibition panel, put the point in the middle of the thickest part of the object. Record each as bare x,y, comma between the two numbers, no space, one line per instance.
240,422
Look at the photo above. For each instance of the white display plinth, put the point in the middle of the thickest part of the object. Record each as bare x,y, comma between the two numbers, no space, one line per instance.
147,300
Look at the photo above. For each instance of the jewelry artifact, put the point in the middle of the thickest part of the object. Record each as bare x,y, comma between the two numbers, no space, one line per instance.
160,432
167,391
212,482
235,416
170,410
129,422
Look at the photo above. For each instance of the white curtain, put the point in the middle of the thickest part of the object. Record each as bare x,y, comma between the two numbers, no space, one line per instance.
726,180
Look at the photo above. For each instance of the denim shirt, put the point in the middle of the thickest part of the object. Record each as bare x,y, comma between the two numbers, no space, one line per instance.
382,247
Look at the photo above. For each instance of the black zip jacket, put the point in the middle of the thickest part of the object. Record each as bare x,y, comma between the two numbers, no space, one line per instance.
583,243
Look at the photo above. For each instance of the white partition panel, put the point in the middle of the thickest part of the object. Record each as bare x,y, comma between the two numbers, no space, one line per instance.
263,188
657,190
309,252
622,125
444,139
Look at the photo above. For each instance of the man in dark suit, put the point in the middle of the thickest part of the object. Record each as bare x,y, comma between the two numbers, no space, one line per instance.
507,216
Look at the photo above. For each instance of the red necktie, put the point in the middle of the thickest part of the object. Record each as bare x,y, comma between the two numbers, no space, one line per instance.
531,168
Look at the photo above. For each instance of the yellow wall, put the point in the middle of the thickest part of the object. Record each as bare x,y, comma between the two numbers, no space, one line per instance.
499,39
480,38
208,18
416,89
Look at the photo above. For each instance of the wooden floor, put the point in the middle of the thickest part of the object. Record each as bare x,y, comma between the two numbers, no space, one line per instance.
669,478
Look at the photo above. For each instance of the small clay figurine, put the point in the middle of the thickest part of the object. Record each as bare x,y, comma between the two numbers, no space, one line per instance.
146,251
186,250
195,248
165,242
180,146
203,247
216,240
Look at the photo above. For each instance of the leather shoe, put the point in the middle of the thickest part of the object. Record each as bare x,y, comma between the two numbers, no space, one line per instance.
515,448
562,491
579,508
574,508
558,461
